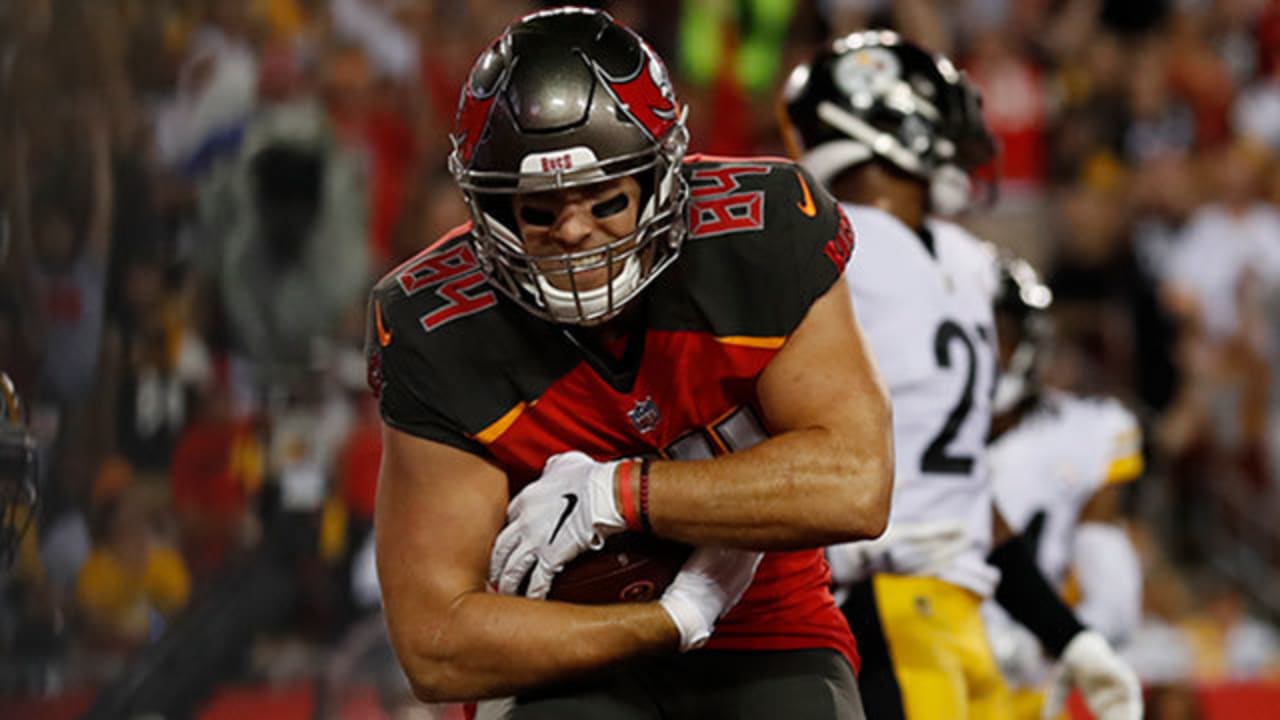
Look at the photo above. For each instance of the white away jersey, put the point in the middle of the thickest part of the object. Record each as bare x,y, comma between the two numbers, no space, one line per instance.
928,320
1054,460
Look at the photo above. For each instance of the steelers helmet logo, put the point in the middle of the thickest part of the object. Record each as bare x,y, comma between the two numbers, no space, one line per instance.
866,74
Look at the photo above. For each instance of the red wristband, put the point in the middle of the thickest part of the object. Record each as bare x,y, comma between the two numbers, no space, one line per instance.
626,495
644,495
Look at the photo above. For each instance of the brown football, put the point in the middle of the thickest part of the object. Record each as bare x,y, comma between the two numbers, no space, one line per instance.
631,567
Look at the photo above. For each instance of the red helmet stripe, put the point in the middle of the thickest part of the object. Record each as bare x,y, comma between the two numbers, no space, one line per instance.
473,116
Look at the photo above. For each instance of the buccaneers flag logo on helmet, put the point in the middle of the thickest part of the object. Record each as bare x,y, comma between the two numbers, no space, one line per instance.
645,95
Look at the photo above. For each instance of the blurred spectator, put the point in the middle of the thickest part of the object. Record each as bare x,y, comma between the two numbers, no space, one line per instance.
1257,110
217,468
63,200
1016,108
1219,279
1230,642
307,431
1160,651
373,24
1234,26
1159,122
1090,119
156,364
369,119
64,249
356,491
1227,242
284,238
288,20
1093,282
1200,74
133,582
358,463
1166,193
216,87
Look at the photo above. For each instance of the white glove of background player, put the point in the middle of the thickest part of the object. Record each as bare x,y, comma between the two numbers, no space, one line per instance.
709,584
1109,687
554,519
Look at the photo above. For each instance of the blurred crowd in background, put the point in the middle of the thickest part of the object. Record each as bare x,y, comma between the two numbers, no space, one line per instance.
196,195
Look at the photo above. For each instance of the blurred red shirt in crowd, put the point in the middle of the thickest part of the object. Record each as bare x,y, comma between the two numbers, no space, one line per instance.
1015,107
359,461
217,469
365,111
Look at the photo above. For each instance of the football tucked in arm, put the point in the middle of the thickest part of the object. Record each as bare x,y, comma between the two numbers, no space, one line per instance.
631,567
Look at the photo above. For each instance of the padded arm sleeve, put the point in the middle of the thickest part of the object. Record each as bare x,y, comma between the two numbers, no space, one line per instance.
1026,595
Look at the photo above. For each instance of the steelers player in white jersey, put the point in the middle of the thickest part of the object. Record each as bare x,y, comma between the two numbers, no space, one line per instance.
1058,465
894,132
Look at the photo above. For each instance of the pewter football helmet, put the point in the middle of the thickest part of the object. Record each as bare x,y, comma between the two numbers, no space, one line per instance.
567,98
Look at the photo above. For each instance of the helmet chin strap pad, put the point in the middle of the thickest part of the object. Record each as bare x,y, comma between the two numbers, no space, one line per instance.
1010,389
829,159
1014,384
950,190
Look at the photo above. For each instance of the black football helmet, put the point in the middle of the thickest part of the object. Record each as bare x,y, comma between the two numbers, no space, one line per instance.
564,98
1022,315
18,476
874,95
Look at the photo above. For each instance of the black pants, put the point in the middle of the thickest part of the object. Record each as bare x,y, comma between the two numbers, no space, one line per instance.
708,685
878,683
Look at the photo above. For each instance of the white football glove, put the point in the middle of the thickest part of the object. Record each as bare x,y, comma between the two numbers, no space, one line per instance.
569,510
709,584
904,549
1109,686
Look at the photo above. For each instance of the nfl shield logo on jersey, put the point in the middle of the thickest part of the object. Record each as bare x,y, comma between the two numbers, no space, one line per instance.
645,415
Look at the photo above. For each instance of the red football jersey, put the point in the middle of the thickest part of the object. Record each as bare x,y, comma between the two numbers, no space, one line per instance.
455,362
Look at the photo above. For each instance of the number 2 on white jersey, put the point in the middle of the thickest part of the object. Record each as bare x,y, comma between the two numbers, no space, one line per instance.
936,457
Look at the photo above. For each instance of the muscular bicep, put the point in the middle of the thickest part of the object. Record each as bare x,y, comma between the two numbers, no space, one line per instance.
825,376
438,511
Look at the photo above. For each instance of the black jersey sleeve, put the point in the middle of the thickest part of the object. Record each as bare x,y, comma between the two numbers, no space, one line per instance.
401,375
822,242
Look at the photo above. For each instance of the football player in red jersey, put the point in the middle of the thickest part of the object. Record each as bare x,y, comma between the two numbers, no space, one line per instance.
612,300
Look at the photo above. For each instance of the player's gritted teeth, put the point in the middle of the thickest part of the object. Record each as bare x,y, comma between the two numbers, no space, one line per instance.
574,222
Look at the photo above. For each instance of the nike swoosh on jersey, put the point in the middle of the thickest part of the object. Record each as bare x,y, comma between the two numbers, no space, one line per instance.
384,336
571,502
807,207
